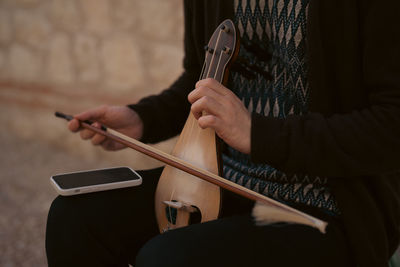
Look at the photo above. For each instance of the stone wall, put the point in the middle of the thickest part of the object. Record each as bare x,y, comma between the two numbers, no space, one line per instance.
71,55
112,44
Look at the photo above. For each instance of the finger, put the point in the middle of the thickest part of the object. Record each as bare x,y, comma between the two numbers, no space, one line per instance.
86,134
207,104
96,125
73,125
201,91
98,139
96,114
215,85
209,121
109,145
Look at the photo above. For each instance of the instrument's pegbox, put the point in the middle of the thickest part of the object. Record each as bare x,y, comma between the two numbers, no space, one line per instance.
219,51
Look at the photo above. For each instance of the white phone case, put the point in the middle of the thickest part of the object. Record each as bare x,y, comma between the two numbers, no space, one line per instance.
95,188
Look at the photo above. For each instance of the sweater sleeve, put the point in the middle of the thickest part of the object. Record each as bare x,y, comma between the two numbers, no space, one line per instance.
164,115
361,142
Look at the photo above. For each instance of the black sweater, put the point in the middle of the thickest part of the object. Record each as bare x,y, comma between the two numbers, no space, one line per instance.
352,133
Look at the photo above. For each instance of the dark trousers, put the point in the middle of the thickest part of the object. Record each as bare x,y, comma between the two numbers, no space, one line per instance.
117,227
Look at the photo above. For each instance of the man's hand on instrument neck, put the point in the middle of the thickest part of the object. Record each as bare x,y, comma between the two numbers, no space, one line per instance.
224,112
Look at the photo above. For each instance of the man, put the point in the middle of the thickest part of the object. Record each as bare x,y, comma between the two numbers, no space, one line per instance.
309,117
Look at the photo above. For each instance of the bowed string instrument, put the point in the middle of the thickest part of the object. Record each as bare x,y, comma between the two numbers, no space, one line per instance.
182,198
189,187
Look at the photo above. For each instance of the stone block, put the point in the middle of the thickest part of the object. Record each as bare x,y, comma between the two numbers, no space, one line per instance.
124,13
164,63
65,15
121,60
26,3
161,20
59,64
3,72
87,60
31,28
2,59
97,16
25,64
5,27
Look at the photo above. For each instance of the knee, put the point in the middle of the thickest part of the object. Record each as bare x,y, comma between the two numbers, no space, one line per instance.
57,210
167,250
60,211
148,254
65,217
68,240
156,252
60,228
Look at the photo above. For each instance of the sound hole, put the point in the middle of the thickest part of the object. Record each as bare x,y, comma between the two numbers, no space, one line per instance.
195,217
172,213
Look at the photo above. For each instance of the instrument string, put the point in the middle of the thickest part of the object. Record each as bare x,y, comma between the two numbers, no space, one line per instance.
219,61
203,70
170,211
214,52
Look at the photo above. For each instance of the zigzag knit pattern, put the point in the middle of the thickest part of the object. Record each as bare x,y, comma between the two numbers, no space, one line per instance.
270,77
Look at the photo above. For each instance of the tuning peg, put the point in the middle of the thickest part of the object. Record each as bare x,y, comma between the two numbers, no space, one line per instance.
225,29
226,50
208,49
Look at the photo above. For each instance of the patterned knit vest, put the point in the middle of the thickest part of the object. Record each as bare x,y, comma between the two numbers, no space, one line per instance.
270,77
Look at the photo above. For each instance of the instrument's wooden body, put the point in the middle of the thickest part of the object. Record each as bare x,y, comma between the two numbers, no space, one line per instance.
197,146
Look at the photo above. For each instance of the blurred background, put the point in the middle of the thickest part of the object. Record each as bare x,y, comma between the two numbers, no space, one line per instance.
71,55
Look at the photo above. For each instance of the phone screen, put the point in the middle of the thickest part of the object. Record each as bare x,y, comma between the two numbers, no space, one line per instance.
96,177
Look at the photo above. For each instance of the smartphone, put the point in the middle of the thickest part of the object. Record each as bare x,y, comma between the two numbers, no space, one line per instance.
81,182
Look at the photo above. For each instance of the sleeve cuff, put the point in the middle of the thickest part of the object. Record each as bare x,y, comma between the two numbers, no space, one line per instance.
146,119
